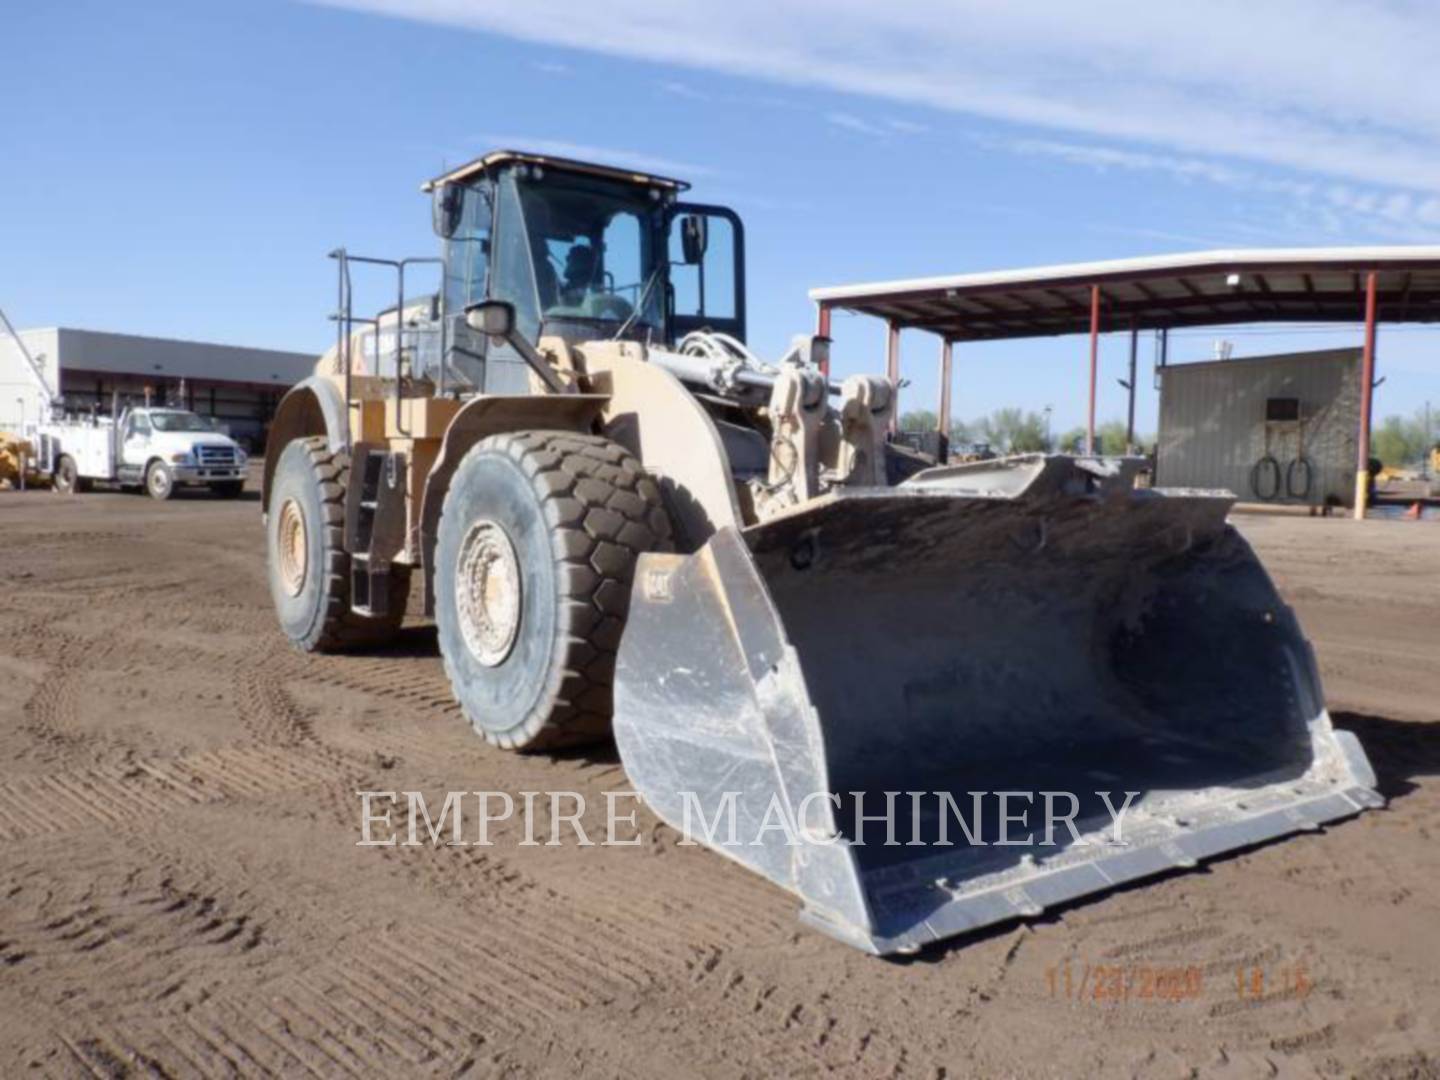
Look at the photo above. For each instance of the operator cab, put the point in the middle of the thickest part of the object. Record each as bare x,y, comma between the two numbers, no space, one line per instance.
583,252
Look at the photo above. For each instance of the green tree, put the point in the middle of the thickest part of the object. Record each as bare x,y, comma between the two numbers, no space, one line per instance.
1011,430
918,420
1400,440
925,420
1109,439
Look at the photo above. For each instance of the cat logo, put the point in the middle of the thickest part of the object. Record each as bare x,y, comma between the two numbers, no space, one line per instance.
657,585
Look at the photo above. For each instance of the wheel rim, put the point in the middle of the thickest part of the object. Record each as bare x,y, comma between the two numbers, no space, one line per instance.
293,543
487,592
159,482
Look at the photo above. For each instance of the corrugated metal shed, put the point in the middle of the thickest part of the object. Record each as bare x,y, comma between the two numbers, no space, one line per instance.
1214,429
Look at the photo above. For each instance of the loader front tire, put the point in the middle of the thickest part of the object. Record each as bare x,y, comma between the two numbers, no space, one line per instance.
534,560
308,566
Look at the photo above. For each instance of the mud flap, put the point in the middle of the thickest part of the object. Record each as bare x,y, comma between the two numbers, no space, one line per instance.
920,708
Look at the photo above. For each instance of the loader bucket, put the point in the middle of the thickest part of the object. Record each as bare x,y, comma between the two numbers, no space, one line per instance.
996,645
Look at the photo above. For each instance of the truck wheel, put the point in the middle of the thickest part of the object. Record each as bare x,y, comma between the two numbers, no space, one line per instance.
67,476
229,489
309,568
159,481
534,560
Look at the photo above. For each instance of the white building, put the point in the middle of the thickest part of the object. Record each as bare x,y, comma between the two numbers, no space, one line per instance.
238,387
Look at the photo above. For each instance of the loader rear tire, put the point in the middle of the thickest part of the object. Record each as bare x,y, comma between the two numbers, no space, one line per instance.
308,566
534,560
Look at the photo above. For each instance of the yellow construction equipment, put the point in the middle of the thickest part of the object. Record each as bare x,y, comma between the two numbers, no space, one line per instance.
16,454
822,656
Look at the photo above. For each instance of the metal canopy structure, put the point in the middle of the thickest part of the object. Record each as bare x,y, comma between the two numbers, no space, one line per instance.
1398,284
1203,288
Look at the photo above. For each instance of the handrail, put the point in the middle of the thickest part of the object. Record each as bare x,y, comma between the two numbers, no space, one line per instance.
346,319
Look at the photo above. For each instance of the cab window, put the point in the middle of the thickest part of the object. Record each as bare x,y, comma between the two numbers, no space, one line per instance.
467,271
707,286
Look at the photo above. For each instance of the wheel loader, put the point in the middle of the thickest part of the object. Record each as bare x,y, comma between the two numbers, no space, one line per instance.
817,652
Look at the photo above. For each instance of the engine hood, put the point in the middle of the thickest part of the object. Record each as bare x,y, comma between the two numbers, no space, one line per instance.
186,441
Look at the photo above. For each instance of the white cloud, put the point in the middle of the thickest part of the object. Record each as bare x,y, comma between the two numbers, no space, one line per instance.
610,155
1110,157
851,122
861,126
1321,86
682,90
1335,209
906,127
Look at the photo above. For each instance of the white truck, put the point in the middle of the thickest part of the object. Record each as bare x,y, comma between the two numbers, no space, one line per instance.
157,449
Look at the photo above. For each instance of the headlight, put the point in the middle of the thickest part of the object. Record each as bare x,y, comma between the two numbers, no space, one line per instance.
180,459
240,456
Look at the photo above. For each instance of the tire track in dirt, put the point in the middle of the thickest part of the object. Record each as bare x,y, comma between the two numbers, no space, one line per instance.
417,1002
46,716
266,709
101,934
136,794
626,937
618,946
269,711
418,998
416,682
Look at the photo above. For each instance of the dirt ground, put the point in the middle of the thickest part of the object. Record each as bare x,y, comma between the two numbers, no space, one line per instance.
181,892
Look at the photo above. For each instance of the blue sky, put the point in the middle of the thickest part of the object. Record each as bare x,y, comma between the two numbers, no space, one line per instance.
181,169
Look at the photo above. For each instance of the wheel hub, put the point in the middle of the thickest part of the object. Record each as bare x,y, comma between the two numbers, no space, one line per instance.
292,547
487,592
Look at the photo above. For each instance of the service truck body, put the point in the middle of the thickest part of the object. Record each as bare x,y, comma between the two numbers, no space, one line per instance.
158,449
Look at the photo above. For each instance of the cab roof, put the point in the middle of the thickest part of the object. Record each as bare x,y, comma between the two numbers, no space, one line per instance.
499,158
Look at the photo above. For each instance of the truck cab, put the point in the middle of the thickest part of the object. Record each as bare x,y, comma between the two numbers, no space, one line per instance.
165,448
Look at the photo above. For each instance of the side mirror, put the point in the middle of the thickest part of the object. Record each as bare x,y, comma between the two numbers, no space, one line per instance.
496,320
694,238
446,205
493,318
